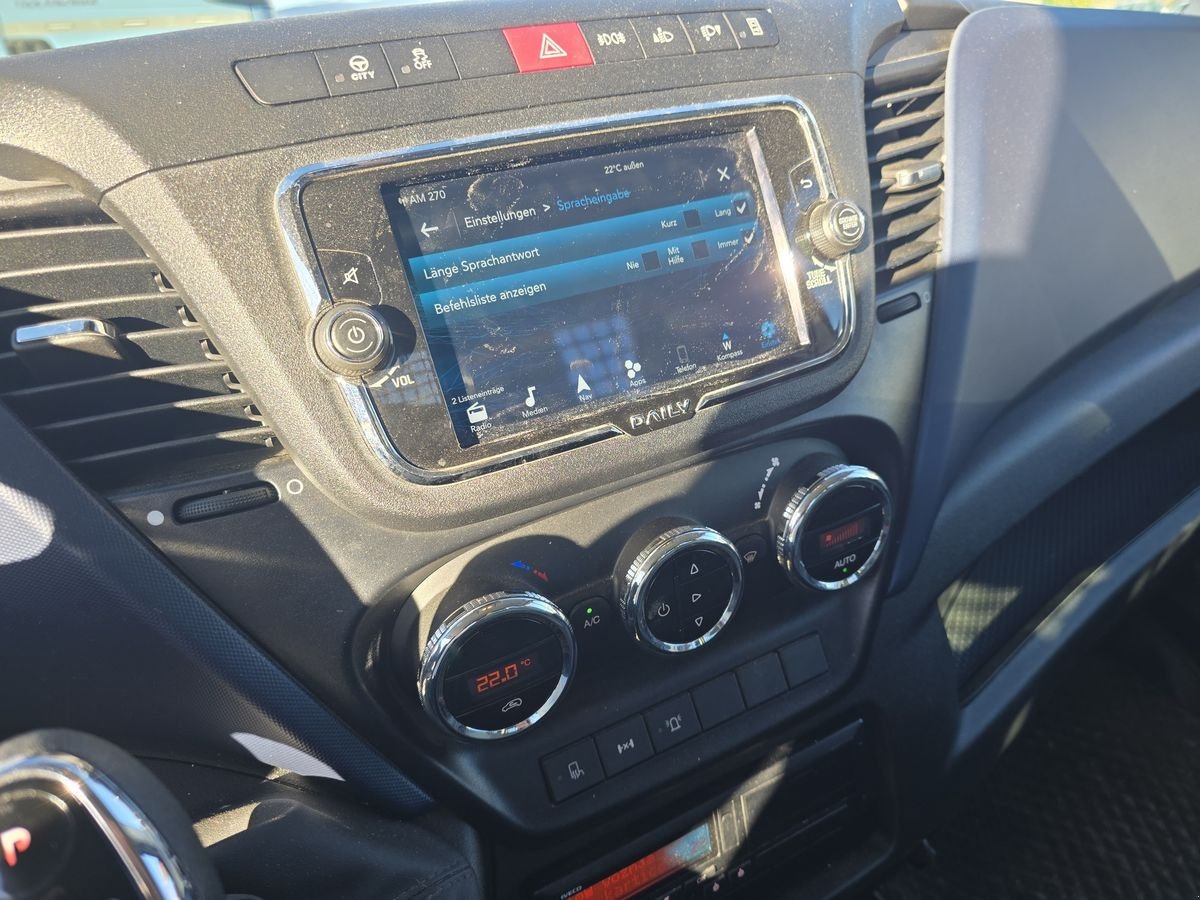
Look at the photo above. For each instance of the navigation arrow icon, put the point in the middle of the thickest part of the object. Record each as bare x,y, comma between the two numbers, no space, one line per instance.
699,621
545,207
427,229
583,387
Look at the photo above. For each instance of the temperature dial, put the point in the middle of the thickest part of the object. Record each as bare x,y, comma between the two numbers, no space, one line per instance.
497,665
682,589
835,529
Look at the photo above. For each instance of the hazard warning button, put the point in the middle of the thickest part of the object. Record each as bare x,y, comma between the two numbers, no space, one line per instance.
538,48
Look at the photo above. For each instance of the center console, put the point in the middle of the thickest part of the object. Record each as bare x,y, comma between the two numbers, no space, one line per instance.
571,292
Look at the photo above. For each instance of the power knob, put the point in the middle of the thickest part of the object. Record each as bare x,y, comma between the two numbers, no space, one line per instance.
836,227
681,589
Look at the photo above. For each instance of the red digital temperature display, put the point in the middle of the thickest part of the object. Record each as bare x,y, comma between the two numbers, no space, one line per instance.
505,673
836,538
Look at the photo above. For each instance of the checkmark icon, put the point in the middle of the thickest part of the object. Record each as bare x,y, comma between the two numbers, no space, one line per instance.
740,207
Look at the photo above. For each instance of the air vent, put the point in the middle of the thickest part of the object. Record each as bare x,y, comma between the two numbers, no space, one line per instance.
905,105
100,356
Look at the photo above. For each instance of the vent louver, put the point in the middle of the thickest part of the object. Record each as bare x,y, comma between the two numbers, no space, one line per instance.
905,106
145,395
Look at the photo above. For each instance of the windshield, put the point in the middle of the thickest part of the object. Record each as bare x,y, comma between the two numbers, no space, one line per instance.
31,25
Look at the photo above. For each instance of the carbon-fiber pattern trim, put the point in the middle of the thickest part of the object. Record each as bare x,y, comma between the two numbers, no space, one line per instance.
1099,799
1006,591
100,634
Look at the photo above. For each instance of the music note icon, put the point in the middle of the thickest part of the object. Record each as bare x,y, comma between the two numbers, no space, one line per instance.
530,401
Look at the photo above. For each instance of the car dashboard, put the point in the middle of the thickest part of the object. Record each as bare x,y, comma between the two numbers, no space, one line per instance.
654,450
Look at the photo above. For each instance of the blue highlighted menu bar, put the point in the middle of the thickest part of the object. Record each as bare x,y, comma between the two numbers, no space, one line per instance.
682,222
606,270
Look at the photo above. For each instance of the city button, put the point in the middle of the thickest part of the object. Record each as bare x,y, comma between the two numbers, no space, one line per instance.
612,40
353,70
421,61
663,36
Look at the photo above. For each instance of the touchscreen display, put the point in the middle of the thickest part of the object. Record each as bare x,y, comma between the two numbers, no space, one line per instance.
551,290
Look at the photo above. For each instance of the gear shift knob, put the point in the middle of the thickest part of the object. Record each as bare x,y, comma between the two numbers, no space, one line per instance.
80,818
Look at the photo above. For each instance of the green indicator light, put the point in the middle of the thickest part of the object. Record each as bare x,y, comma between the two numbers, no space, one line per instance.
846,570
589,610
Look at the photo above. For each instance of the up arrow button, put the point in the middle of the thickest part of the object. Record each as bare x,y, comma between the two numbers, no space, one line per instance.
540,48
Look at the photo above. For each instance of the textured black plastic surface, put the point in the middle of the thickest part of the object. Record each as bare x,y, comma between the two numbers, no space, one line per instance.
106,638
1000,597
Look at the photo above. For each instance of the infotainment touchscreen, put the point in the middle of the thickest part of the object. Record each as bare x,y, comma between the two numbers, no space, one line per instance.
548,290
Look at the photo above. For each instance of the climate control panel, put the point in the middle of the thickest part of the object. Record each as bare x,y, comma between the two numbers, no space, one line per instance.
498,637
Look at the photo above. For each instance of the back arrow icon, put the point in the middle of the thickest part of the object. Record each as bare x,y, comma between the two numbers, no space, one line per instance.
427,229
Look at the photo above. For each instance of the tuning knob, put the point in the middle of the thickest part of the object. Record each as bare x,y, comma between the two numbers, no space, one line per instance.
836,227
682,589
497,665
835,529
